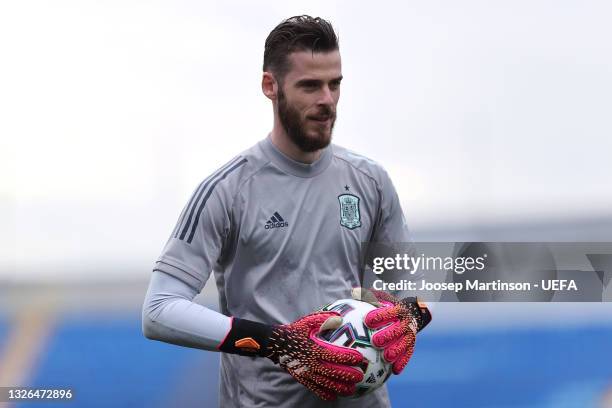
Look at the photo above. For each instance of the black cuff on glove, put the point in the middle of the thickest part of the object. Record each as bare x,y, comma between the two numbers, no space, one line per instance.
421,312
247,338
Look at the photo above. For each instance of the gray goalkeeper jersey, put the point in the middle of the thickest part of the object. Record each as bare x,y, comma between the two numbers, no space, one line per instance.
283,239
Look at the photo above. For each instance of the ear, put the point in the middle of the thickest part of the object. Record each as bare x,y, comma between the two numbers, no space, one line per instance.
269,86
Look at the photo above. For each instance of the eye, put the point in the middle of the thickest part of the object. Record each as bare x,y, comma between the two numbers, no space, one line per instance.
334,85
309,86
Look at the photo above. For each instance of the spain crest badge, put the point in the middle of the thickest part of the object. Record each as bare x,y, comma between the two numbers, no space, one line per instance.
349,211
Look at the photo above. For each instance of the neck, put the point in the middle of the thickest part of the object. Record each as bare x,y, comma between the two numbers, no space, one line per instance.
281,140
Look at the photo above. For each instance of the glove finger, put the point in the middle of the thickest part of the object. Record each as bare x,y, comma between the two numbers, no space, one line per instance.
333,385
351,390
335,354
401,362
323,393
384,297
339,355
381,317
395,350
316,320
365,295
339,372
388,335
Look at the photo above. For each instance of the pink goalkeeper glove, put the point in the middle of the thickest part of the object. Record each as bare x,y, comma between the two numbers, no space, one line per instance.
403,319
322,367
325,369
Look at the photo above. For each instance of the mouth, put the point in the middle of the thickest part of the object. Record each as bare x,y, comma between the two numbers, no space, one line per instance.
320,119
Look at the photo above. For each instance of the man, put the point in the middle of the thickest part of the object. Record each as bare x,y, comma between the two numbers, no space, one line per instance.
282,225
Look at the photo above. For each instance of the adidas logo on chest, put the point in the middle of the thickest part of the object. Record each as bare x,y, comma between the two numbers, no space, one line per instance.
276,221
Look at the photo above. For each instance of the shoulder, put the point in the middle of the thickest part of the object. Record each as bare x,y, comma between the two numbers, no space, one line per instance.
366,166
227,179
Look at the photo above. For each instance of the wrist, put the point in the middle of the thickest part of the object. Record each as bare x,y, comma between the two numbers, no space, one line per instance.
247,338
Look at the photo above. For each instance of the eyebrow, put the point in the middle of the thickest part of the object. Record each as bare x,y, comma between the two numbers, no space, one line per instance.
309,82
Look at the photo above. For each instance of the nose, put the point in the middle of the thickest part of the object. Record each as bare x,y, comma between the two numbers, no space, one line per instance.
326,97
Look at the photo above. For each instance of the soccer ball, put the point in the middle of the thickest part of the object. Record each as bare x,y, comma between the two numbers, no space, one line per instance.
353,333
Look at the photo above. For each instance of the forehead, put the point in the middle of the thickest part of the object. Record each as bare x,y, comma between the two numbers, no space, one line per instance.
317,65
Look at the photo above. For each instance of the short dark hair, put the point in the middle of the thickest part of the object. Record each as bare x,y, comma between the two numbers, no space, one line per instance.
298,33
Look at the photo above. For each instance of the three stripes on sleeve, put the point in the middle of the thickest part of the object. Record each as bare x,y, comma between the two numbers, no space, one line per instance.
186,227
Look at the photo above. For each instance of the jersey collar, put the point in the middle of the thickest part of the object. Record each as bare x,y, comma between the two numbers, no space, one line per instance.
293,167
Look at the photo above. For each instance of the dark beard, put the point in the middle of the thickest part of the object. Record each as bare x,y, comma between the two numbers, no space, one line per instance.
294,126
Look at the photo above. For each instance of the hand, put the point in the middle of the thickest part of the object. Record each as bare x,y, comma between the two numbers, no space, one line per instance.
403,318
322,367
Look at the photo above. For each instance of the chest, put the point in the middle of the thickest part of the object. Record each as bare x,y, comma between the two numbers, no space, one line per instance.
318,216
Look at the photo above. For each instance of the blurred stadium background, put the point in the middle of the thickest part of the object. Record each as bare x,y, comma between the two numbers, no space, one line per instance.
493,120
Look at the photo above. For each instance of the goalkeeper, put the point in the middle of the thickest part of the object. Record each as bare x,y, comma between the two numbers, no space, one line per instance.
281,226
